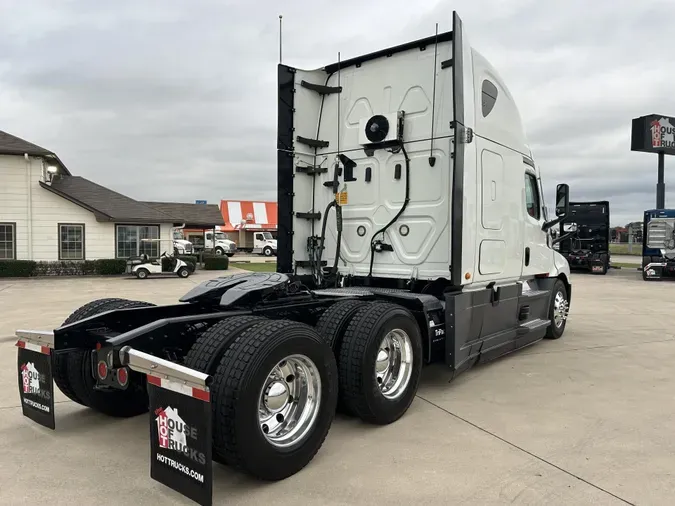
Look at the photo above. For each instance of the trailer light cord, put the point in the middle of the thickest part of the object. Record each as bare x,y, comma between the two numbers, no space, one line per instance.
314,255
373,242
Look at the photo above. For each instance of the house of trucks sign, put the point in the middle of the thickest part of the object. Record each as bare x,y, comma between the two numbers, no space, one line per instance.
653,133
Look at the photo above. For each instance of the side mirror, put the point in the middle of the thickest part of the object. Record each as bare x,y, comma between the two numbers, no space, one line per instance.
562,207
562,200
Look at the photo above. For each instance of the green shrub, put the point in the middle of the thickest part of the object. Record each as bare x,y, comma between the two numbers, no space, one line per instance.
17,268
216,263
28,268
110,266
190,260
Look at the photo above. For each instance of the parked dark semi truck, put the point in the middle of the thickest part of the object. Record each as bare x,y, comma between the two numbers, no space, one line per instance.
412,229
584,236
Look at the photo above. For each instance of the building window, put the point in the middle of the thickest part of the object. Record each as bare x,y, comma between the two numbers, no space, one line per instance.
71,242
7,241
532,200
129,241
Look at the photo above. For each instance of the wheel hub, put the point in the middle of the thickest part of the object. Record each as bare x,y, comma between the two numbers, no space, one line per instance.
277,396
382,361
393,366
560,309
290,401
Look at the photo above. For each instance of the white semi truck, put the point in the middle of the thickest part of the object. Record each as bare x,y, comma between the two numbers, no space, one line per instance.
412,230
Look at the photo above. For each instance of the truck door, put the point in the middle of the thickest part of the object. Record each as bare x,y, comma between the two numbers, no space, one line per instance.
258,242
537,255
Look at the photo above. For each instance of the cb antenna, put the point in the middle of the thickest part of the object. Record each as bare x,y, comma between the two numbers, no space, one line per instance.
432,158
280,32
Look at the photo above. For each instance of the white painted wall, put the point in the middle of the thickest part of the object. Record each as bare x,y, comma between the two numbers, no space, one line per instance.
40,220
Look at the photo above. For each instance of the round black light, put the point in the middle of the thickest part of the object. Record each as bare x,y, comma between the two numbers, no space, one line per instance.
404,230
377,128
361,230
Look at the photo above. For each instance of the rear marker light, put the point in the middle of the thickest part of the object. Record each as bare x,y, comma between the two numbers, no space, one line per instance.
102,370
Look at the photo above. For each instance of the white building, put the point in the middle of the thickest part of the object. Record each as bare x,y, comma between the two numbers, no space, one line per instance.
48,214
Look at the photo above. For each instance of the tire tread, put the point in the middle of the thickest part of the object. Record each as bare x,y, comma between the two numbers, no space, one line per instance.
229,381
354,347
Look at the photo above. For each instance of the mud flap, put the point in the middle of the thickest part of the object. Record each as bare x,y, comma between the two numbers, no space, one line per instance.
180,425
597,266
34,366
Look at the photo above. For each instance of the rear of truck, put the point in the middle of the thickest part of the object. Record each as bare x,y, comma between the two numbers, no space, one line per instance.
658,244
355,142
585,237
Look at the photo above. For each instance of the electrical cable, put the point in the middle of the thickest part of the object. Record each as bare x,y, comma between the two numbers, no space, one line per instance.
314,268
373,242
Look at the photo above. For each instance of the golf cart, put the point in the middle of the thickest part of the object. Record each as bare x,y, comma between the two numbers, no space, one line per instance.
166,264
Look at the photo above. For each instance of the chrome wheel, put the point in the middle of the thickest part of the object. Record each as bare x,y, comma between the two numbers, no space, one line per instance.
394,363
290,401
560,309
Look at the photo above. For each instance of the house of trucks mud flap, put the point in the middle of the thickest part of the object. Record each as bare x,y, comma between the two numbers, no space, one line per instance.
34,367
179,410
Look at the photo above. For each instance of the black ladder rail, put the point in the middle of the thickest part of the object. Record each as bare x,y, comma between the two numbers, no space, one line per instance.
320,88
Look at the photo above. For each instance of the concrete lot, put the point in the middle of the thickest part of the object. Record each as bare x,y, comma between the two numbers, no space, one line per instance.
587,419
627,259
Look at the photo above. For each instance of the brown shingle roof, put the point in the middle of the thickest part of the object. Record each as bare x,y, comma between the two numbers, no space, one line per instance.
195,215
105,203
12,145
108,205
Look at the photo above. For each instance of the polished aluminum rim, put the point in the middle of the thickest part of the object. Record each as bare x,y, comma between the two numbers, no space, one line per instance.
560,309
393,367
289,401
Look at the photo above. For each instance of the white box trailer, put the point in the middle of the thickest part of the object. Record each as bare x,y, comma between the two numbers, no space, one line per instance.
412,230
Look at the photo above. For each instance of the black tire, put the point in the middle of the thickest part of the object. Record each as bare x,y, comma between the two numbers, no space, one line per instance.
118,403
183,272
220,251
60,359
268,252
206,352
605,265
333,322
237,386
332,325
142,273
359,389
230,254
556,331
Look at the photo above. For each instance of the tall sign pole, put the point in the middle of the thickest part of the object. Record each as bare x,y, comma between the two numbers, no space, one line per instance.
660,184
655,133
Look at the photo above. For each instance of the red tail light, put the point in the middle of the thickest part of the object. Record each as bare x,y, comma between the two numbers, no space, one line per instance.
122,376
102,370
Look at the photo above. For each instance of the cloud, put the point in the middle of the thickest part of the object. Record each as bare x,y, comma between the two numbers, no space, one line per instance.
176,100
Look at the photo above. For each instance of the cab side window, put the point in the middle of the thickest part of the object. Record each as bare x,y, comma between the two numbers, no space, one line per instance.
532,200
259,237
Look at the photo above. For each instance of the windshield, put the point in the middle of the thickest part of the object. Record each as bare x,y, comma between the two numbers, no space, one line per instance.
267,235
220,236
177,234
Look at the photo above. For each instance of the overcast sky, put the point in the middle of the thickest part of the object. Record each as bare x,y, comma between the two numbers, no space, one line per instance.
176,100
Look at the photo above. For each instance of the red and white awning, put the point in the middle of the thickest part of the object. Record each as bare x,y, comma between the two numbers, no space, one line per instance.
248,215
